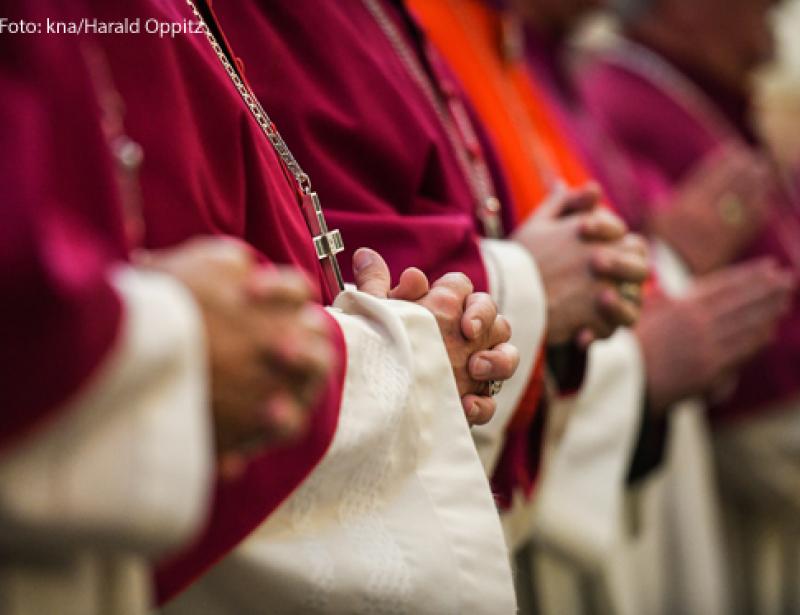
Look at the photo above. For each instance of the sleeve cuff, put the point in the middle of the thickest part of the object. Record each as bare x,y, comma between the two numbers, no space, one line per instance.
138,434
516,286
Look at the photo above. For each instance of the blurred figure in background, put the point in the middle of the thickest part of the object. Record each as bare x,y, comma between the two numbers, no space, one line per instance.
705,201
122,384
511,57
778,100
675,93
670,132
591,435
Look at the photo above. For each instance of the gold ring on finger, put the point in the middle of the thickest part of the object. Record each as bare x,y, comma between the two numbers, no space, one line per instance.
631,292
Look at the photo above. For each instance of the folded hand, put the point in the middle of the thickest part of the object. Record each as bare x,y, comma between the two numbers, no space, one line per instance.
585,256
268,345
689,343
475,336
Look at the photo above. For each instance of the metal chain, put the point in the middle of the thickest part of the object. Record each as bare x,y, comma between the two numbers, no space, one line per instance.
260,115
541,161
476,173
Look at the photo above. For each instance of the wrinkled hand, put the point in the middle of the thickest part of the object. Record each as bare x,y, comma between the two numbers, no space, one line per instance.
475,336
269,349
690,343
718,210
583,253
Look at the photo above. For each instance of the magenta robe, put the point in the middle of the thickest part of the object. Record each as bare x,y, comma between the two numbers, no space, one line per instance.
547,65
374,147
209,170
61,230
546,60
665,134
362,129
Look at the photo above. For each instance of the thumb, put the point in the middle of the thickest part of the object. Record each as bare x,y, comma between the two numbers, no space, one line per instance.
564,201
413,286
553,203
581,200
371,273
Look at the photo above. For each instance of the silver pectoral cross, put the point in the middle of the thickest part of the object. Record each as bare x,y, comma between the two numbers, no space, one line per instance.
327,243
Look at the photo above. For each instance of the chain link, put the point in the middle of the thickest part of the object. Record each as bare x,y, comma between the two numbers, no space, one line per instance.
258,112
475,172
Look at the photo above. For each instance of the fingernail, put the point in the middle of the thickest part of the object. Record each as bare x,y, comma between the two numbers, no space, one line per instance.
481,368
477,325
363,259
473,411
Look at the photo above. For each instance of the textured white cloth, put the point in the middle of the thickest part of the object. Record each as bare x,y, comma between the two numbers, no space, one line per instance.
516,286
122,473
668,557
680,538
398,516
758,463
580,497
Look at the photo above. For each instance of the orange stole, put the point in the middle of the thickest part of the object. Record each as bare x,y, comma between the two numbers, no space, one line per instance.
533,151
524,130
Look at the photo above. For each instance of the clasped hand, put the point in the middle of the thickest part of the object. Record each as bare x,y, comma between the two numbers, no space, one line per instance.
585,256
268,344
476,337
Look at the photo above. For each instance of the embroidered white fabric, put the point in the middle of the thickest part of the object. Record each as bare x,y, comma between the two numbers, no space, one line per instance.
398,517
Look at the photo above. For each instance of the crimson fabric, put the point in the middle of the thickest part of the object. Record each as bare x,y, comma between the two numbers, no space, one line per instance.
546,60
664,140
518,466
60,231
209,170
374,147
362,128
547,66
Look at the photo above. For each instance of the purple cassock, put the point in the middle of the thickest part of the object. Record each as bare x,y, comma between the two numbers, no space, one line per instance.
545,58
666,119
208,170
60,233
363,128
